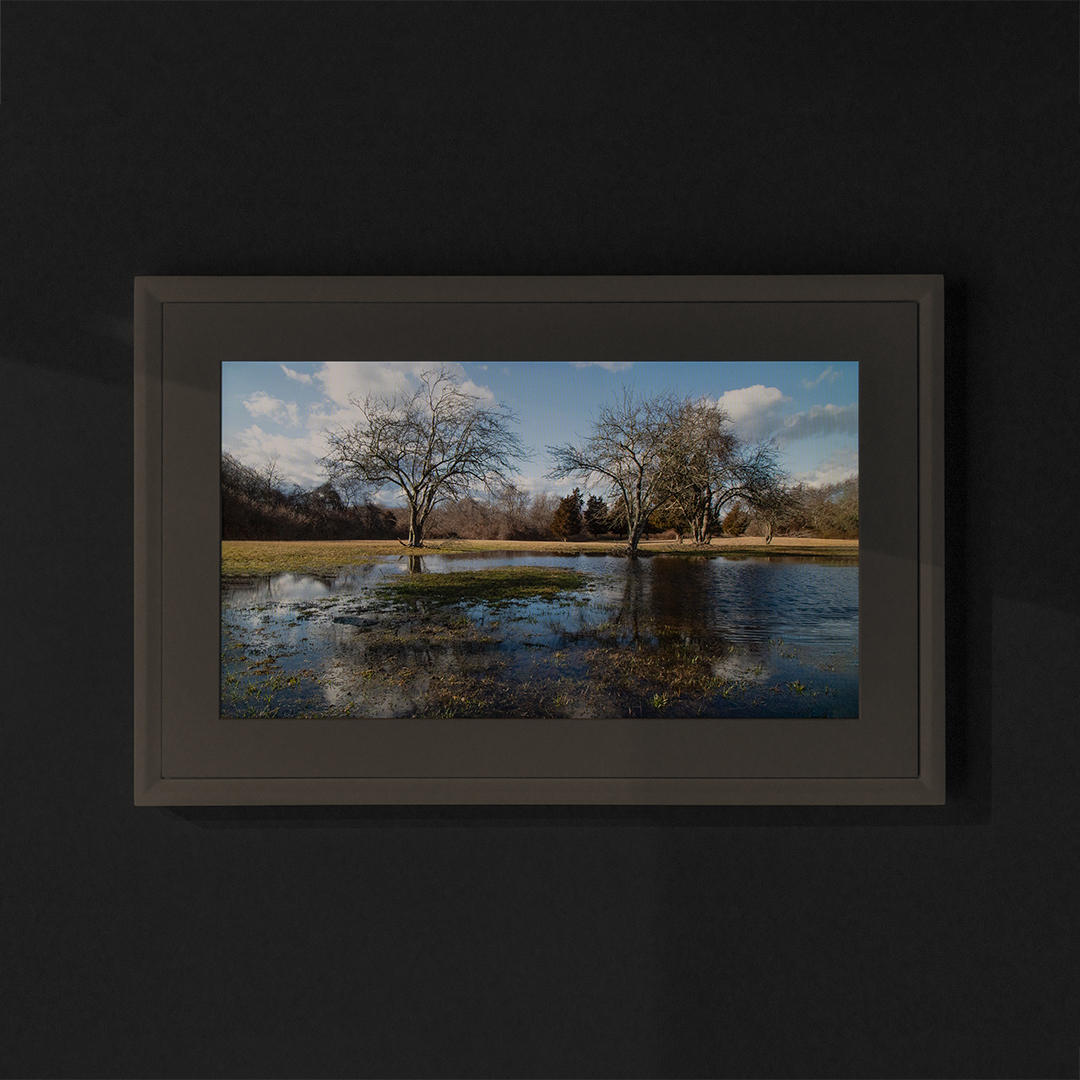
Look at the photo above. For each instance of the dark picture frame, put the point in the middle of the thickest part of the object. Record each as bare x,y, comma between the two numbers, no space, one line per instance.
892,753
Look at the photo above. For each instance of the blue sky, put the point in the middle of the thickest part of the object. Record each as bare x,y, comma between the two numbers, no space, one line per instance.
809,409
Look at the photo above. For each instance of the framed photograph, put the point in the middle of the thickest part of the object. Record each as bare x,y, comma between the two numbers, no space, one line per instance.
569,540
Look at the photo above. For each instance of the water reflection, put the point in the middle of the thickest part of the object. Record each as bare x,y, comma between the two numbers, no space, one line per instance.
664,635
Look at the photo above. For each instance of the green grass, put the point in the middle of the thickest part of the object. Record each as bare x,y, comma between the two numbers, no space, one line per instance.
497,584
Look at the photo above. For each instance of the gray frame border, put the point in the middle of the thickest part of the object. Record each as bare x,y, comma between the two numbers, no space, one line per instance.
928,787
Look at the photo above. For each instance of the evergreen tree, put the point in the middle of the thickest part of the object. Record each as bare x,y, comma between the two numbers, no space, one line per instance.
566,521
735,520
597,520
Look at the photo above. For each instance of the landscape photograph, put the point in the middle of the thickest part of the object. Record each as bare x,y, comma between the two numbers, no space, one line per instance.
577,540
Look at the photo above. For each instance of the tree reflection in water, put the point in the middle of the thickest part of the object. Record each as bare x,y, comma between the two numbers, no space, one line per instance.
662,636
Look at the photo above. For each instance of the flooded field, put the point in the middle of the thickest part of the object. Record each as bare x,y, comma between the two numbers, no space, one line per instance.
526,634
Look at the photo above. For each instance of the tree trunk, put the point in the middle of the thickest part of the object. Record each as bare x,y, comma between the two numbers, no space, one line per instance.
633,539
701,527
701,517
416,529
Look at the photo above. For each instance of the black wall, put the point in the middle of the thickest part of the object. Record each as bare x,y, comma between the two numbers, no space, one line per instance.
540,139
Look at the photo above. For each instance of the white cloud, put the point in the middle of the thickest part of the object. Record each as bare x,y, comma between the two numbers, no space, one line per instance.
819,421
299,376
830,374
261,404
750,401
343,379
539,485
325,416
836,467
754,410
607,365
481,392
389,497
296,455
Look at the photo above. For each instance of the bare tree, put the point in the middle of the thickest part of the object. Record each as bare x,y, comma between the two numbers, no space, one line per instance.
467,519
631,452
715,468
704,445
270,477
435,443
511,510
780,508
541,508
754,475
672,459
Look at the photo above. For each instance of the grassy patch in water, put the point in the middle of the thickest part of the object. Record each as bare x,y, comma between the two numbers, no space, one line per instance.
399,639
252,687
498,584
658,676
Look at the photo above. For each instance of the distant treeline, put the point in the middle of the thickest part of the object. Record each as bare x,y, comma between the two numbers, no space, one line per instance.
257,505
830,512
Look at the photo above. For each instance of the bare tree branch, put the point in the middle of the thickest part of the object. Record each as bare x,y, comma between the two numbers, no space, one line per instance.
630,452
677,456
435,443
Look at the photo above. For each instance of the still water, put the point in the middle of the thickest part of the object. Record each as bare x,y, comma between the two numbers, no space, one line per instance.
656,636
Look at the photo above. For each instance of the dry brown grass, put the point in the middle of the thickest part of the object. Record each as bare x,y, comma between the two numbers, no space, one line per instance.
246,557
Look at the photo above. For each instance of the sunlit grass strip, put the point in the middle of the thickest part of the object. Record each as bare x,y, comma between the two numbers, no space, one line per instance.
498,583
245,558
240,558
